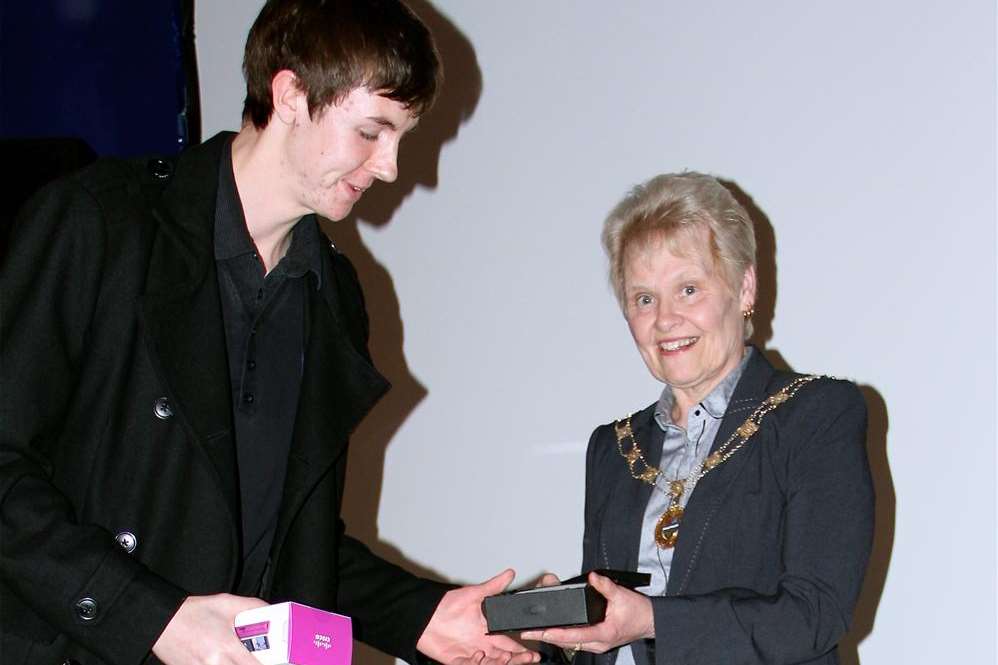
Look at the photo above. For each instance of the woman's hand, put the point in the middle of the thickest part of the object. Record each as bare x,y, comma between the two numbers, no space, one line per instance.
628,618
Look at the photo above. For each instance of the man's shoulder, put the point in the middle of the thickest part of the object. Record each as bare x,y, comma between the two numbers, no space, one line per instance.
143,179
111,184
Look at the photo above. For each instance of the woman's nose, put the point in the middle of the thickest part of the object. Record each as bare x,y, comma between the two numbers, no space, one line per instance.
667,317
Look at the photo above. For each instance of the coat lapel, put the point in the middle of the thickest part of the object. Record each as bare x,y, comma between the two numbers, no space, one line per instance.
182,314
714,487
339,386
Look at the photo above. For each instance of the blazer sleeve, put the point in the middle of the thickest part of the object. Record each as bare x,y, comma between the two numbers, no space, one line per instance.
828,530
51,562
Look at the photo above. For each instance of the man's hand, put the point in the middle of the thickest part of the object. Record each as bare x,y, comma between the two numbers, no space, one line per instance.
628,618
202,632
456,635
478,658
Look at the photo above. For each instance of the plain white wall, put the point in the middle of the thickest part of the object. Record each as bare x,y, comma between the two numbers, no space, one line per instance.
864,133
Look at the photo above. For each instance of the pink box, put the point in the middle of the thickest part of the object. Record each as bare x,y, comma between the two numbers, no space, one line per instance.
295,634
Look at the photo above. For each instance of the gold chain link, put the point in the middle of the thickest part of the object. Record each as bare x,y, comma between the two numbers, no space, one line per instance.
742,434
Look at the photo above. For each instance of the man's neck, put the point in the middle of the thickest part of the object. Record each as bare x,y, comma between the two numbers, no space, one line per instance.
269,209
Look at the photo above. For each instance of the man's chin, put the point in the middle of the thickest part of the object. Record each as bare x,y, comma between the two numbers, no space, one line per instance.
335,214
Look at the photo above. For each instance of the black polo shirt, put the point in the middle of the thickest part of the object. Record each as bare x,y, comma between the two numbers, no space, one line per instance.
265,333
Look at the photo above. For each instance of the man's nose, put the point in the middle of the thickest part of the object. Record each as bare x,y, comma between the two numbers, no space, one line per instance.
384,162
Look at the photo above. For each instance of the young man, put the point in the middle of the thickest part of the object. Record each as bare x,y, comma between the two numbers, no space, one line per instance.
184,358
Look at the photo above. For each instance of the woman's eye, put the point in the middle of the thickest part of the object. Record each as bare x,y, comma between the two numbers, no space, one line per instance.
643,300
689,290
368,137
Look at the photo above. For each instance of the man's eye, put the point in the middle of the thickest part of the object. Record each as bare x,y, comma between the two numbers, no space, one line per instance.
368,137
689,290
643,299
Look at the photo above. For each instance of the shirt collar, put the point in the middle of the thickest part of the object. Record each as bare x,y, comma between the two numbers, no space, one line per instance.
232,238
304,253
715,403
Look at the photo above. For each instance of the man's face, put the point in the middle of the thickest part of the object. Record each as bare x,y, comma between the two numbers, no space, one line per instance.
333,158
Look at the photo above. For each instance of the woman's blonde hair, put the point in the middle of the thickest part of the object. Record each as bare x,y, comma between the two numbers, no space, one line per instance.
674,207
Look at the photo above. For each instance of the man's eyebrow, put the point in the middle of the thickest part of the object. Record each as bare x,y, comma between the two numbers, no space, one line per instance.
385,122
381,120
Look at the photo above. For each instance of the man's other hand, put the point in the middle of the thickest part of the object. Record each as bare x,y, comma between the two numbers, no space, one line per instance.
202,632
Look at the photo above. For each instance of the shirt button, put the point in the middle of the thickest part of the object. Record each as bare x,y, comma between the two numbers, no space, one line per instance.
70,661
248,398
127,540
697,412
161,407
251,364
86,609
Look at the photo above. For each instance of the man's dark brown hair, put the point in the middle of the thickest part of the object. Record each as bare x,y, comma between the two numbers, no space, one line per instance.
335,46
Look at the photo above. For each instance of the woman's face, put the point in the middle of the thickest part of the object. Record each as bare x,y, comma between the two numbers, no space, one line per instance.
685,320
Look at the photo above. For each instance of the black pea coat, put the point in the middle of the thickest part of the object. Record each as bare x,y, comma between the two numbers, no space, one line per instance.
774,543
118,481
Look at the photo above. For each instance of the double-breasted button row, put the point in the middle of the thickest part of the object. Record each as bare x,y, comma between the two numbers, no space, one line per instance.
162,408
127,540
86,609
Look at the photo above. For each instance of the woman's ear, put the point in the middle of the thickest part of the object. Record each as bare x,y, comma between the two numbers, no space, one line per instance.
747,296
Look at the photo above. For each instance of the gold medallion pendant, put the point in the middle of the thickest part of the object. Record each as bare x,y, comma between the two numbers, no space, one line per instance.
667,527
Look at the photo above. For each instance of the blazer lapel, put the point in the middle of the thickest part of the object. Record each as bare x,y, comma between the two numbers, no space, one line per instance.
713,488
622,529
181,311
620,533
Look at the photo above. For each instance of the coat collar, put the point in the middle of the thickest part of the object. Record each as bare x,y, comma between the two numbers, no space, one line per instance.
184,330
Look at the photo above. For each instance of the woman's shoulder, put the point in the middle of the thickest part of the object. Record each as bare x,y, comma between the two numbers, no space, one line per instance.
636,419
604,438
816,390
817,407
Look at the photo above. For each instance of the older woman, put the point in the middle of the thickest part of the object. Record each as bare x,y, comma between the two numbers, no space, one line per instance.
744,491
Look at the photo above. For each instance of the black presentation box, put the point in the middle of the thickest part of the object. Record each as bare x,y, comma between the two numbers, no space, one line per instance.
571,603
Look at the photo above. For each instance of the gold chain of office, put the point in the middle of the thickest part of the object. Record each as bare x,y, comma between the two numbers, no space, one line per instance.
667,527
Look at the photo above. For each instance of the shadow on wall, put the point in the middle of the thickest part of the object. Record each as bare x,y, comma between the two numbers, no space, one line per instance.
420,152
876,436
883,536
418,163
765,240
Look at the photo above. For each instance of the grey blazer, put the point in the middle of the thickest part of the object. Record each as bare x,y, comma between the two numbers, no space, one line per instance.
774,543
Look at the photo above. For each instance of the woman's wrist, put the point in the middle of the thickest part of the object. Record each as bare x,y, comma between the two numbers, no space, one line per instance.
649,629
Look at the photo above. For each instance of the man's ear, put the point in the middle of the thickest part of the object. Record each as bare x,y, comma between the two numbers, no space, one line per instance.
288,96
